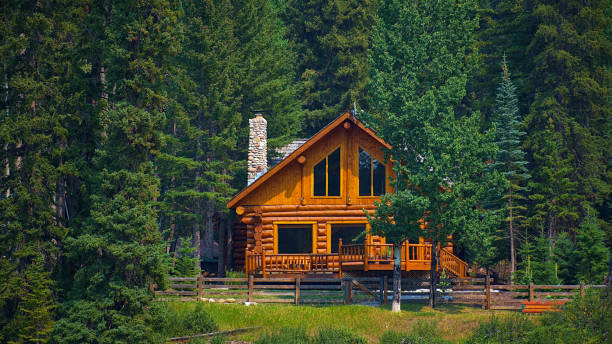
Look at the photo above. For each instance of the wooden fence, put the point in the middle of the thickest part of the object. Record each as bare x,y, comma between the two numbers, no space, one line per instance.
375,290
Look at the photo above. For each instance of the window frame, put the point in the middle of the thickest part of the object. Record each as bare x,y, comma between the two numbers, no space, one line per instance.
367,239
372,158
342,176
314,234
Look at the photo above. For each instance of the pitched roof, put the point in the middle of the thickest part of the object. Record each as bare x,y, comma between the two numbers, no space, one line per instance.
297,152
284,151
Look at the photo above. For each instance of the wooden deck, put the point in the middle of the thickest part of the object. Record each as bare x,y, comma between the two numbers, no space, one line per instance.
365,257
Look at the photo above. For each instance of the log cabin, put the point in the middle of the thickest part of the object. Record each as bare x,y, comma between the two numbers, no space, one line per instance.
305,214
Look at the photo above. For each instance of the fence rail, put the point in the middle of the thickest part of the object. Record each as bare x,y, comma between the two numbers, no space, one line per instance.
297,290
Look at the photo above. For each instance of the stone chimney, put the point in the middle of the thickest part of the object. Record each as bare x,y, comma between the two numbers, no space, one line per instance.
258,137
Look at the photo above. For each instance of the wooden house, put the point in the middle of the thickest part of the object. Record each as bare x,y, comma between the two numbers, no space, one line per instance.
305,214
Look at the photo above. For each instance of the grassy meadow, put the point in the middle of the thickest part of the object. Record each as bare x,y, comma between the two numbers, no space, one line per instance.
452,322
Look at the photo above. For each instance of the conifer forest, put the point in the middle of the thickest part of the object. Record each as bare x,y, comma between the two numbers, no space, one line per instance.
124,129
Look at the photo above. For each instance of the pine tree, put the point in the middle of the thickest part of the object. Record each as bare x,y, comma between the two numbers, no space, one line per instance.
117,252
331,38
235,61
564,255
422,54
35,75
591,251
510,158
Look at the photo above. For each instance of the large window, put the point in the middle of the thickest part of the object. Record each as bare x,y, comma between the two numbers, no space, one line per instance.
327,175
349,233
294,238
372,177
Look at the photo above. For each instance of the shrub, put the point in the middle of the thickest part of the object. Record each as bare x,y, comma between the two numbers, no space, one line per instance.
512,328
169,323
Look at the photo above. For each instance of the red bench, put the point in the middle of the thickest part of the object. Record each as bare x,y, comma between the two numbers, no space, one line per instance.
543,306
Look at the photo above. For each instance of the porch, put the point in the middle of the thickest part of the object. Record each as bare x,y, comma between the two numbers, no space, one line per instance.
358,257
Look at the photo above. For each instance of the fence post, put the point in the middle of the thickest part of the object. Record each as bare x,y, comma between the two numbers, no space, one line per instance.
365,257
246,262
348,291
385,288
298,282
581,289
488,291
263,262
200,285
531,296
251,282
381,290
340,258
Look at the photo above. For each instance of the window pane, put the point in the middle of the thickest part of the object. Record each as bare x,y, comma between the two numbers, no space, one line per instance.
294,238
333,173
365,173
319,179
379,177
347,233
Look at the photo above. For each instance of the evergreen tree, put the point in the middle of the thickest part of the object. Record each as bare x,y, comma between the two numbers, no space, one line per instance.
117,253
422,54
569,108
591,251
510,158
565,255
35,53
536,265
235,61
331,38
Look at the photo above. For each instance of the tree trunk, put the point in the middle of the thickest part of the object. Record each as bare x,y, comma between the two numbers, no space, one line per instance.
511,230
196,238
209,235
397,278
222,250
433,273
171,236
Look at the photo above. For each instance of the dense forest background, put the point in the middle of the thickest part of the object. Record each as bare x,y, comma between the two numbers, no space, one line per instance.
124,128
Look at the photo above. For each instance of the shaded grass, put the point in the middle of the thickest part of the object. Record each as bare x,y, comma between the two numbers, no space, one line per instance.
453,322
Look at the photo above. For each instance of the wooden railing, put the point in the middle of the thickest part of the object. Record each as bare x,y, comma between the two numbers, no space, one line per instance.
361,257
453,264
291,263
416,252
351,253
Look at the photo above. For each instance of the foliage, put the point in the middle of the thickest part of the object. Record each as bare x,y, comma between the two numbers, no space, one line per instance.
167,322
537,266
422,54
591,252
184,265
510,158
331,39
585,320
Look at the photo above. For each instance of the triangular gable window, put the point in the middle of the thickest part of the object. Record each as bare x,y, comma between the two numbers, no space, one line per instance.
372,177
327,175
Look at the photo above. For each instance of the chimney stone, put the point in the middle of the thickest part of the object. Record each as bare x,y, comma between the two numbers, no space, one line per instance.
257,163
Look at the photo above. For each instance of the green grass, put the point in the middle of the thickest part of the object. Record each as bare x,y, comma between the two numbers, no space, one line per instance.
452,322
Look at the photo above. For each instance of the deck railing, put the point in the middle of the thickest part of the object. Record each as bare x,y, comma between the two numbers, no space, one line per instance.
355,257
291,263
453,264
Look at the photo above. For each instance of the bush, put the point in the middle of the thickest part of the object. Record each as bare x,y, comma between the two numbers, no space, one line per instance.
512,328
169,323
585,320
